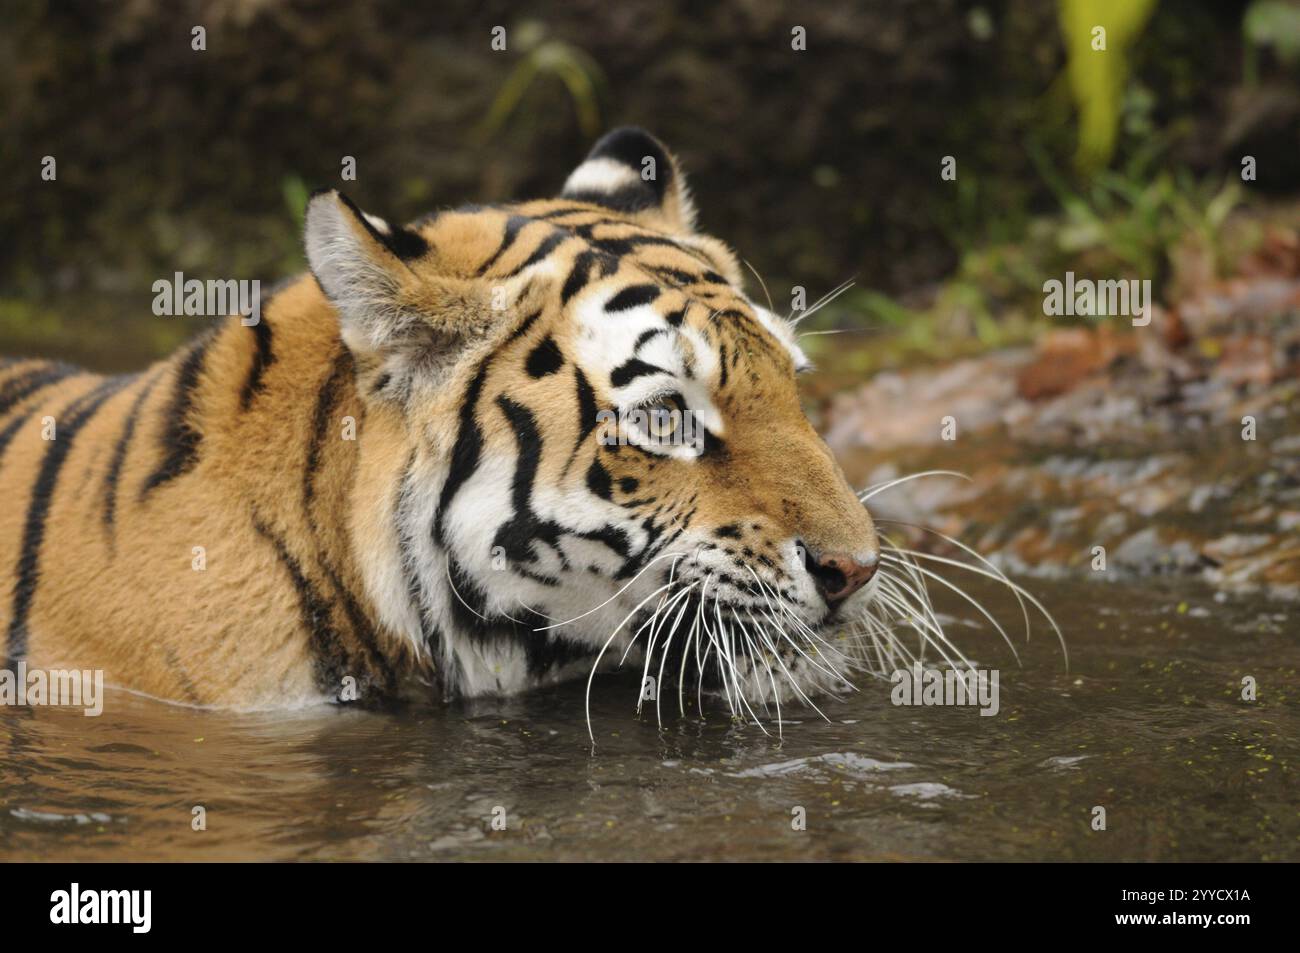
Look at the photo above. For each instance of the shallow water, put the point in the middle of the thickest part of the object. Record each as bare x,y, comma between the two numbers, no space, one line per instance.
1148,722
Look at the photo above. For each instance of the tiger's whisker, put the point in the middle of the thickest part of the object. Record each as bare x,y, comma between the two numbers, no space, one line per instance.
821,302
924,627
871,491
650,647
457,594
797,648
776,697
1024,609
974,602
630,583
770,307
789,677
663,654
1014,587
613,635
665,606
939,639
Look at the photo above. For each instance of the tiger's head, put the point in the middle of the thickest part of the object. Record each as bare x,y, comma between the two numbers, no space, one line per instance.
594,441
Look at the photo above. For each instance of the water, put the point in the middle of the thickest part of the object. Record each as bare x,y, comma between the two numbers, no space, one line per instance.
1148,723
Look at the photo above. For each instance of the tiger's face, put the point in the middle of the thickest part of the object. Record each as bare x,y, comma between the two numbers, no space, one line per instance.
597,441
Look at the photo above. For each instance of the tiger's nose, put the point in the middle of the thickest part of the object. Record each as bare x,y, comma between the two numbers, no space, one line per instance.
839,575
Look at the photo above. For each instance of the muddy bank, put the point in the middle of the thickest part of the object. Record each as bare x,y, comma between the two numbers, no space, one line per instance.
1174,447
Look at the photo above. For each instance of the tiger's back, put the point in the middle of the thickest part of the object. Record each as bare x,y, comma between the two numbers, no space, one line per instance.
172,527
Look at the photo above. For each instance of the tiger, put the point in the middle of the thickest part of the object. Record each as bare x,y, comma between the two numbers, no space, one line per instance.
498,448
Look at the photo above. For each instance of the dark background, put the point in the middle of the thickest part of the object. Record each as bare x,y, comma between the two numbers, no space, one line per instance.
818,166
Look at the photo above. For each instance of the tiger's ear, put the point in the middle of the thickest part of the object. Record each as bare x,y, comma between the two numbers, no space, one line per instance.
632,172
361,263
405,321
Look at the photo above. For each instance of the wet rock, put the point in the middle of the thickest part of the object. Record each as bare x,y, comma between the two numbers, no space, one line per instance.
1235,544
1201,495
908,409
1066,357
1148,553
1247,359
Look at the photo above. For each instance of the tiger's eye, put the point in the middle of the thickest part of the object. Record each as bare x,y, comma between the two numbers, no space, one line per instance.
664,418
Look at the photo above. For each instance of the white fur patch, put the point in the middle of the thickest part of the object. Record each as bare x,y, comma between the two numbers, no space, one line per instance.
601,175
783,331
378,224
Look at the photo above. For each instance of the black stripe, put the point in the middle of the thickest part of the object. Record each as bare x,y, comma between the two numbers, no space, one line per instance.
380,673
467,603
629,198
27,571
542,250
524,528
598,481
182,677
17,379
646,336
330,661
8,364
180,438
628,245
406,244
630,370
587,410
11,430
544,359
402,242
632,297
514,225
733,314
21,386
327,399
679,277
529,440
567,210
263,357
756,333
527,323
611,536
580,274
465,453
114,473
546,651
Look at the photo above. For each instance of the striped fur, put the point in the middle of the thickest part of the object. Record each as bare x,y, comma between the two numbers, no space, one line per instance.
396,483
